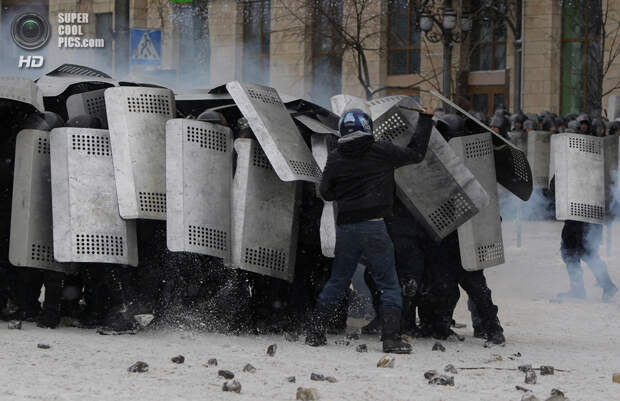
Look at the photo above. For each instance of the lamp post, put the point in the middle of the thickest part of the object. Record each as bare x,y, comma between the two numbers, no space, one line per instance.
439,24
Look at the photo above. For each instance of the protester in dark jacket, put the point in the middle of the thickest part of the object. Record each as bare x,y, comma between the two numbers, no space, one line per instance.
359,177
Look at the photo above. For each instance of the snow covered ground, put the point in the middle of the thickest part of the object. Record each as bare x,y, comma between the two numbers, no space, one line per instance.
582,337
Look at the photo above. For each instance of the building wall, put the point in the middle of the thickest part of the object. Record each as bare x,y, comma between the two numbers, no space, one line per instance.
290,49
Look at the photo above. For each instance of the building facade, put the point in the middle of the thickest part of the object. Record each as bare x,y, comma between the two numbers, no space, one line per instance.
291,46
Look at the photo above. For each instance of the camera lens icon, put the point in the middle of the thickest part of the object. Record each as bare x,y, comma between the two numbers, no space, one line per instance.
30,31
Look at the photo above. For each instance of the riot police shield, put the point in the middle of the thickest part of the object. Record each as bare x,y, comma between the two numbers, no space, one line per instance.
87,223
264,220
276,132
199,167
480,238
137,118
538,156
31,241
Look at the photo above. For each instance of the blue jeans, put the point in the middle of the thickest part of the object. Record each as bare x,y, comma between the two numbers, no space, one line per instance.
367,239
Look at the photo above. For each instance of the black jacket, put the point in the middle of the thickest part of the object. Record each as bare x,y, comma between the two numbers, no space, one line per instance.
359,174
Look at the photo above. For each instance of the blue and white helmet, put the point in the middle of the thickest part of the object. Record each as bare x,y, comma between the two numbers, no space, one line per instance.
355,120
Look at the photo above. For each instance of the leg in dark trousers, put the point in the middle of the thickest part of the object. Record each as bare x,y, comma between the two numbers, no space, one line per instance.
371,240
27,290
52,305
593,236
483,310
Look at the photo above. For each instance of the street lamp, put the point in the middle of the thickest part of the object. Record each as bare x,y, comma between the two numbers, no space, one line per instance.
440,26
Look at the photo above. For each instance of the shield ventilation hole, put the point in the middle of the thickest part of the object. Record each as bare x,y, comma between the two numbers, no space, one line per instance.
490,252
43,146
478,148
391,129
519,165
95,106
152,202
91,145
587,211
207,138
99,244
449,212
267,258
305,168
587,145
264,95
207,237
41,253
149,104
259,159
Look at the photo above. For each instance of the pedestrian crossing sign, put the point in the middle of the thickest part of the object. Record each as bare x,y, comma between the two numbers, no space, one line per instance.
145,46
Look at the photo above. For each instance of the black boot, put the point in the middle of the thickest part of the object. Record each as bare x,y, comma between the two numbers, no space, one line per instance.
392,342
494,333
609,292
577,289
315,332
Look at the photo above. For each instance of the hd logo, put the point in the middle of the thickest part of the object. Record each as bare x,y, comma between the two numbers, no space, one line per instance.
30,31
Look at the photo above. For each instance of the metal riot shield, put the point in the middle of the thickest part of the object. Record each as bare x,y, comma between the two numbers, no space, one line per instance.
59,80
440,191
383,104
315,126
31,243
91,103
538,156
137,118
87,223
321,146
264,220
275,130
199,167
511,166
579,177
480,238
21,90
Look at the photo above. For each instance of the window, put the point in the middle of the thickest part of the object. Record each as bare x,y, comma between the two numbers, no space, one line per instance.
581,55
256,38
403,38
326,51
488,43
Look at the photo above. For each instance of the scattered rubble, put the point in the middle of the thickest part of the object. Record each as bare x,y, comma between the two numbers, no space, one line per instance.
144,319
547,370
530,377
442,380
343,341
271,350
362,348
439,347
386,362
450,369
233,386
525,390
291,379
307,394
178,359
557,395
331,379
44,346
525,368
429,374
211,362
226,374
139,367
249,368
15,325
615,378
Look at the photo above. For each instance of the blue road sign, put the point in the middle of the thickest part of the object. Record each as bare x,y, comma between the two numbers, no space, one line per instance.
145,46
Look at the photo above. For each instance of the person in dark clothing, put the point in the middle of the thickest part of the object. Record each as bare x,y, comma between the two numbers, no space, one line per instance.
359,177
580,241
